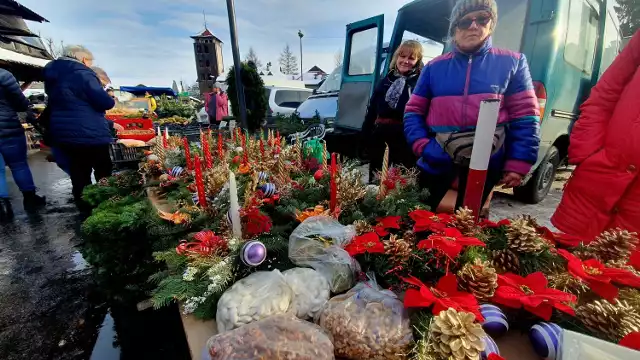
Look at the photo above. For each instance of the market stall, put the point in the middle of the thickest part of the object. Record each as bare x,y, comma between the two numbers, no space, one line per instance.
295,257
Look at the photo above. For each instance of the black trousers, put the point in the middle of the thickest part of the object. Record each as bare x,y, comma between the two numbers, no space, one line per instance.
82,161
399,151
438,185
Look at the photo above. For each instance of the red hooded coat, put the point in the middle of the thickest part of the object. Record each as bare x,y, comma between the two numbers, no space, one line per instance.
604,191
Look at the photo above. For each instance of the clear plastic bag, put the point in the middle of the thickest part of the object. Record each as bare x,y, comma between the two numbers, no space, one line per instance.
310,289
259,295
278,337
367,323
319,243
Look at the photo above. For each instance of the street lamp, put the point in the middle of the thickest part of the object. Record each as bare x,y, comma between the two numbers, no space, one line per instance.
301,35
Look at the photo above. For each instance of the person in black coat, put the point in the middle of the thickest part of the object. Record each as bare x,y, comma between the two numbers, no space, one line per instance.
383,123
13,143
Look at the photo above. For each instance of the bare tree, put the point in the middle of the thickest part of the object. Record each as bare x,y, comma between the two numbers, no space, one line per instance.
54,48
288,62
252,56
337,58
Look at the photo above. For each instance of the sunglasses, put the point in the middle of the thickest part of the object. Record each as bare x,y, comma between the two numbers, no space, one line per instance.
465,24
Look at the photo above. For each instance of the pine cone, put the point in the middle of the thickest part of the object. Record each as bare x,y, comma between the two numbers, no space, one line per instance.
362,227
566,282
613,245
622,264
613,321
505,261
478,278
456,335
398,249
631,297
524,238
409,236
465,222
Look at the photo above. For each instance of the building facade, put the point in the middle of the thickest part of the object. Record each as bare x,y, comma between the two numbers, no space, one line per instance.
208,55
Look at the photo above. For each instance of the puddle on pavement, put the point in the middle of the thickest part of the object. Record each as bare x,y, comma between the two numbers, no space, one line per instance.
105,348
79,263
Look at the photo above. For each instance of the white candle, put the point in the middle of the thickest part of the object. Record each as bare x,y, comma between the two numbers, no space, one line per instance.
166,133
235,207
159,132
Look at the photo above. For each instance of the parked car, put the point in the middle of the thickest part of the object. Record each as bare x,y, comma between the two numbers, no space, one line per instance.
324,101
284,100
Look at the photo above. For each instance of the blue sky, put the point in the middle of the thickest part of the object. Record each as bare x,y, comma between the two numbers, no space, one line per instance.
147,41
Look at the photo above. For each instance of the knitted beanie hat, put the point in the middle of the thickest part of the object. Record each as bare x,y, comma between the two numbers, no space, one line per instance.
464,7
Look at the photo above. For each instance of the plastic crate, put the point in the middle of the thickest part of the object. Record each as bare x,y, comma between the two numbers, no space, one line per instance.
120,153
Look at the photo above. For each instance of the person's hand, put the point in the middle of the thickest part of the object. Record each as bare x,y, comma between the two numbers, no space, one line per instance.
511,180
25,85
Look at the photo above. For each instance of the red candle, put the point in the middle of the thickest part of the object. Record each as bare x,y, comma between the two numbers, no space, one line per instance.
202,197
164,139
187,153
220,149
333,202
206,151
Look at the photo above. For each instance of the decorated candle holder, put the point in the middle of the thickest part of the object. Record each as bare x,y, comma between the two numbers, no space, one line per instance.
546,339
253,253
495,321
490,347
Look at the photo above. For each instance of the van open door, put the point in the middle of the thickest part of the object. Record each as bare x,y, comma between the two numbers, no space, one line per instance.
360,71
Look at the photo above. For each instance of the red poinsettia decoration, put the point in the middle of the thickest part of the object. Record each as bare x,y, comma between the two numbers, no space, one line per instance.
389,222
486,223
494,356
394,178
428,221
450,242
631,340
533,294
634,260
366,243
445,295
599,277
255,222
206,243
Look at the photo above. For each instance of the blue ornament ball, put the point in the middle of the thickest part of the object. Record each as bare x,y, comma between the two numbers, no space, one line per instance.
546,339
269,189
176,171
490,347
253,253
495,321
263,177
195,198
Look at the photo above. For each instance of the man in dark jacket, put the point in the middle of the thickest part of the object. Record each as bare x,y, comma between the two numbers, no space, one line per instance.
13,143
78,126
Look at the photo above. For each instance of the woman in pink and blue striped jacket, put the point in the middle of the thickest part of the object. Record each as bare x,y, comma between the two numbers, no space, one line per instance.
441,116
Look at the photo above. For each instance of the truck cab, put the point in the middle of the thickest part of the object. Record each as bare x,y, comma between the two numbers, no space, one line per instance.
568,44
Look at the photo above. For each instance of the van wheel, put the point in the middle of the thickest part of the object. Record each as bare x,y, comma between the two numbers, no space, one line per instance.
537,188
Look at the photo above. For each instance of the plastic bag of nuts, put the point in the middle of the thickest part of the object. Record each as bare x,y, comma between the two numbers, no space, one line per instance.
367,323
279,337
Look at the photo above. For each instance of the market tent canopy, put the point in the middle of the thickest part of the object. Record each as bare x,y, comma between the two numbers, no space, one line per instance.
155,91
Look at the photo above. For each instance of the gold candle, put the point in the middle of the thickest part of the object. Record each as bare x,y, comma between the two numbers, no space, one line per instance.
384,173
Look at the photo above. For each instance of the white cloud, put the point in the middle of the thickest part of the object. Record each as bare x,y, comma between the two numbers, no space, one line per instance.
148,41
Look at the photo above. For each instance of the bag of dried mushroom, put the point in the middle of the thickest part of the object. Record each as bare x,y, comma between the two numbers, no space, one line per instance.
319,243
279,337
367,323
259,295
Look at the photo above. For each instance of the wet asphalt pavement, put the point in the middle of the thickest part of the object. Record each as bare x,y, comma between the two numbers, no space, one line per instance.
51,307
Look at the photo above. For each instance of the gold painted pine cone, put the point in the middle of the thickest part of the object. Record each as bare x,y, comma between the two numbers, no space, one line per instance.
613,245
613,321
456,335
478,278
464,221
523,238
398,250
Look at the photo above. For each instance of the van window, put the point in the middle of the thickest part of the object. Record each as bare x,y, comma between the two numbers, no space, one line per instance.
611,43
430,48
511,20
290,98
580,44
362,59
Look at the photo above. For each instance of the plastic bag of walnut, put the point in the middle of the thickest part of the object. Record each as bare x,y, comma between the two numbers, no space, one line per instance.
279,337
367,323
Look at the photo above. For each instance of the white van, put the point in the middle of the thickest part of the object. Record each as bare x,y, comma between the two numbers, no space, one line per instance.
284,100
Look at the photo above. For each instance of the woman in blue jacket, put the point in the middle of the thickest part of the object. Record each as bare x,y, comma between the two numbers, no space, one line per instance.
13,144
441,116
78,127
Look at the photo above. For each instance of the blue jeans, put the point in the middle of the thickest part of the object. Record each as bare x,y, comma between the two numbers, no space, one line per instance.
14,151
4,189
